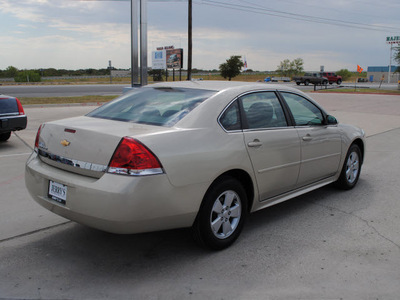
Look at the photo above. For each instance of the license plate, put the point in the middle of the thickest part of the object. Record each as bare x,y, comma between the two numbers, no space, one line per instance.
58,192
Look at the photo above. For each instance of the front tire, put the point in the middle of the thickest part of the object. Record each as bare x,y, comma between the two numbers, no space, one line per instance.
351,169
222,214
339,82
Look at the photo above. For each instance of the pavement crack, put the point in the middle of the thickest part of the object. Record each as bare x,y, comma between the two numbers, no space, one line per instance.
33,232
21,139
366,222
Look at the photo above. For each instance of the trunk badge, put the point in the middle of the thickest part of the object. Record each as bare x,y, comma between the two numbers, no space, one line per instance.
65,143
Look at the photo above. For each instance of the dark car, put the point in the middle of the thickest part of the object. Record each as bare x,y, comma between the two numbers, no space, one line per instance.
12,116
313,78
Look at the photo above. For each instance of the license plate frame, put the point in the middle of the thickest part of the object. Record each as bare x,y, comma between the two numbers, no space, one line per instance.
58,192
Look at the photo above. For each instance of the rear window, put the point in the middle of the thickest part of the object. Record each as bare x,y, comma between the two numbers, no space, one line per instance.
153,106
8,106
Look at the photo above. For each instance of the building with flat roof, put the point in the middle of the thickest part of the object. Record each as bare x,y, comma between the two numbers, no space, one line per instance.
380,73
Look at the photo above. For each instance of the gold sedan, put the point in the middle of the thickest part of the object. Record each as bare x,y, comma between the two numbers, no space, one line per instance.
190,154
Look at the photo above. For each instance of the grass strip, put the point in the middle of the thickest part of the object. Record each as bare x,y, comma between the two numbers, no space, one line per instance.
66,100
360,91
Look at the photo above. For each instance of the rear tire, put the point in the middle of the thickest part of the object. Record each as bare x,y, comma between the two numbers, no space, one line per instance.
5,136
307,82
222,214
351,169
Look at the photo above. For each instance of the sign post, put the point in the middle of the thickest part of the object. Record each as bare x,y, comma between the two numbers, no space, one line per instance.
391,40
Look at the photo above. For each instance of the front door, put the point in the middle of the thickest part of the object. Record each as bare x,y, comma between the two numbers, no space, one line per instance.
320,143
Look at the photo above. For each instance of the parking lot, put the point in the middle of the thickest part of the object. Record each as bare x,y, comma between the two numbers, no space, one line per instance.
327,244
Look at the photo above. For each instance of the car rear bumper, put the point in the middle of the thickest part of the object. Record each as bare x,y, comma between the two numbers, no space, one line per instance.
115,203
12,123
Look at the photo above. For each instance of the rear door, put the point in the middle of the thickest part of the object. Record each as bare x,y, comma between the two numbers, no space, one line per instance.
273,146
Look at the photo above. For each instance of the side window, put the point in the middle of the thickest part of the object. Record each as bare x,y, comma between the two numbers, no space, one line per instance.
263,110
230,119
304,112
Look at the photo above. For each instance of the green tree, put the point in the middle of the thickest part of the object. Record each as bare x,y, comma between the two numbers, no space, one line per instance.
397,57
11,72
346,74
298,66
289,68
231,68
27,76
284,68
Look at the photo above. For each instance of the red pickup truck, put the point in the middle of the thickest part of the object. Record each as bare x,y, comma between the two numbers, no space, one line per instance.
332,77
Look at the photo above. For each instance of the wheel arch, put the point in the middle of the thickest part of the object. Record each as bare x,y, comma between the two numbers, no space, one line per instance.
360,145
245,179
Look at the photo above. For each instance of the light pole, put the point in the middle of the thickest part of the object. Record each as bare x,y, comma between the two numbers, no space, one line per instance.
390,62
189,67
134,44
141,7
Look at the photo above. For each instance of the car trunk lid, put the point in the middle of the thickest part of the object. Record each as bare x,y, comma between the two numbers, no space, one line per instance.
85,145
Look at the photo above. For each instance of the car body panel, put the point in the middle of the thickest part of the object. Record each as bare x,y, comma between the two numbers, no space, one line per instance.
275,159
111,202
321,151
91,140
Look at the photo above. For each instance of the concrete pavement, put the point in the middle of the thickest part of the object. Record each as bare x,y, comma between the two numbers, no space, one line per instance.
327,244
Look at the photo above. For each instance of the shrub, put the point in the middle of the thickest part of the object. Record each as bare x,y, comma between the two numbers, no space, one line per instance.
346,74
27,76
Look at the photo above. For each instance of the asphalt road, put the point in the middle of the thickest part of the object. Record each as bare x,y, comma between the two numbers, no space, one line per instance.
327,244
62,90
117,89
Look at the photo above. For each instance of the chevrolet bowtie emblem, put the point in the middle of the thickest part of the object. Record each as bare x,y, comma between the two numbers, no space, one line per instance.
65,143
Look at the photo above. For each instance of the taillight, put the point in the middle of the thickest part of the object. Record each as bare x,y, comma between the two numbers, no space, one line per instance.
133,158
37,137
20,108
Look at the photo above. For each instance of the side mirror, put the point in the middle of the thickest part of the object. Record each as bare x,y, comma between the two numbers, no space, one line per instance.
331,120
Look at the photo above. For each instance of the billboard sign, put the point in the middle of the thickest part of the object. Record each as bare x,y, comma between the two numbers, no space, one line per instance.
159,60
174,58
393,40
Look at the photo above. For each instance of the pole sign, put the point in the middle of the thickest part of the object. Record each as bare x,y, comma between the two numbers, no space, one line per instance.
174,58
393,40
167,57
159,60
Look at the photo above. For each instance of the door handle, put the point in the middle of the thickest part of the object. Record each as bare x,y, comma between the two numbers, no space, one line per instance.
307,138
255,143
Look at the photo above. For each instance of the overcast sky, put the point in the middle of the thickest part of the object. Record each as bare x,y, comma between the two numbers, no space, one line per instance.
74,34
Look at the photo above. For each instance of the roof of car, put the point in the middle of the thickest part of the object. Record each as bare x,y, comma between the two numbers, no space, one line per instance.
5,96
222,85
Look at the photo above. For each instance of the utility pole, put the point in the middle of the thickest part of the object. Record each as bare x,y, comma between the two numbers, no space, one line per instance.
189,67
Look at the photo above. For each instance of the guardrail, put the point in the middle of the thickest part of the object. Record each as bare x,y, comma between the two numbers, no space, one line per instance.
327,87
